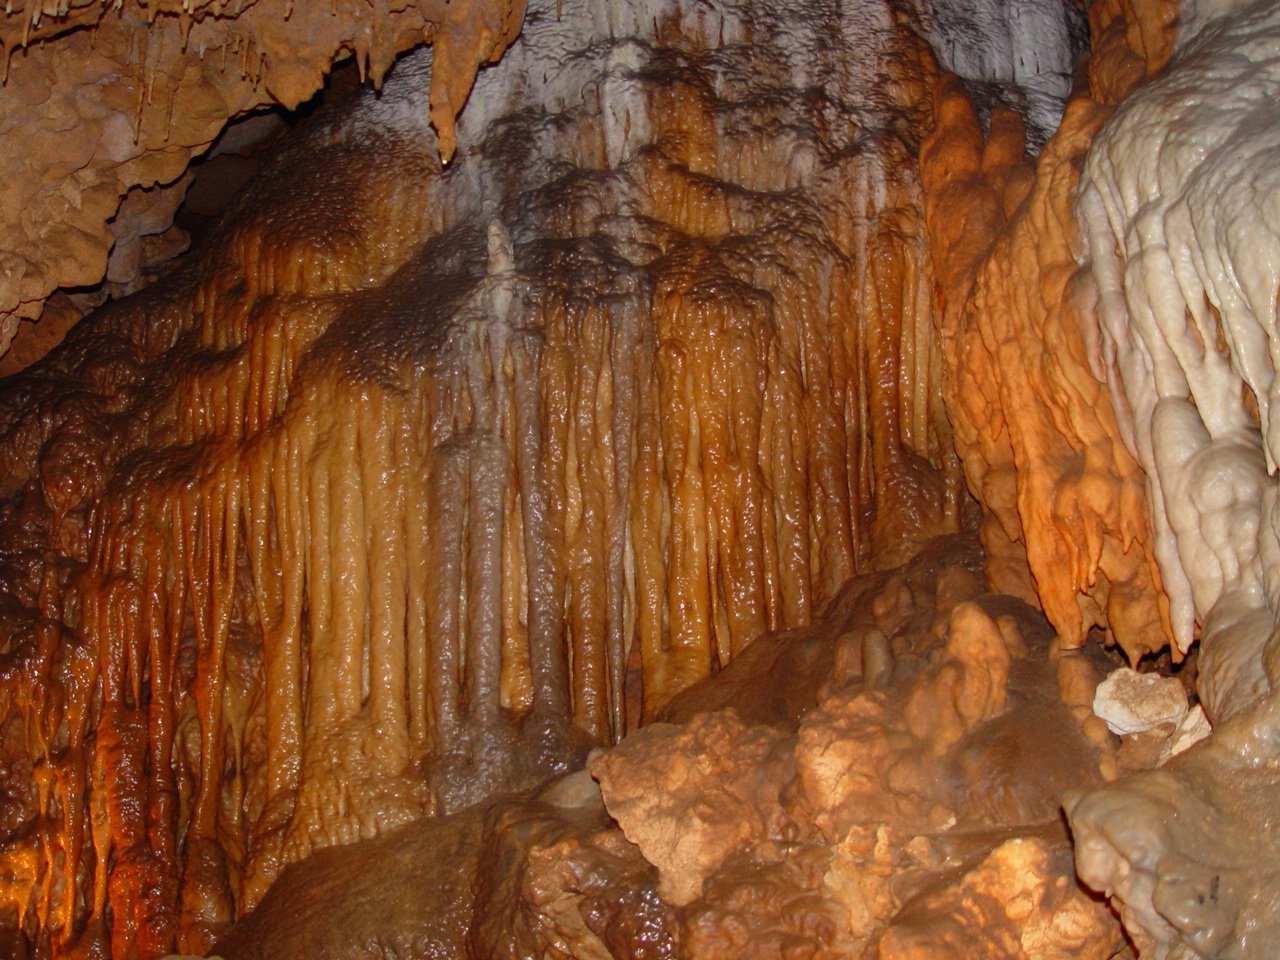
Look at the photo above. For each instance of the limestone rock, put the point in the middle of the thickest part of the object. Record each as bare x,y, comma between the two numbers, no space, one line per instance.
1064,505
1187,852
1021,902
113,97
856,764
689,796
1194,727
1132,702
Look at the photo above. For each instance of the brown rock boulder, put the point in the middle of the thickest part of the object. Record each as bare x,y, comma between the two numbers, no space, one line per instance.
688,796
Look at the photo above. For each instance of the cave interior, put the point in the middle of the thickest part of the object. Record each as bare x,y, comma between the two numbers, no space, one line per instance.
655,479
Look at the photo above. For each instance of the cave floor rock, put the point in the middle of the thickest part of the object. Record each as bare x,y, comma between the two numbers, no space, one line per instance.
886,784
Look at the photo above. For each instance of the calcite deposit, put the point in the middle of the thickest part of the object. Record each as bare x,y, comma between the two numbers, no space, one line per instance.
113,100
837,832
1065,510
516,528
418,480
1142,349
1177,206
905,814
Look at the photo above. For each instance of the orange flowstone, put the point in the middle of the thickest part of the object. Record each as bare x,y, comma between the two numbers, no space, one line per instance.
1064,502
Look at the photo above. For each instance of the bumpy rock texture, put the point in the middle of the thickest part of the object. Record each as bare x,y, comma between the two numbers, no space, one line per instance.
418,481
1178,209
1065,515
900,810
107,100
904,813
1136,350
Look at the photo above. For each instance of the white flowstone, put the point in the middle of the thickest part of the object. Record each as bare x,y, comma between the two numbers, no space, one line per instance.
1180,210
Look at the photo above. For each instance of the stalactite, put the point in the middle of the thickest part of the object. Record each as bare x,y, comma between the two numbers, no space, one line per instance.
142,65
423,480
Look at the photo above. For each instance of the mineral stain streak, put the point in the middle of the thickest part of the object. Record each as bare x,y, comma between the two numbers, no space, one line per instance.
419,480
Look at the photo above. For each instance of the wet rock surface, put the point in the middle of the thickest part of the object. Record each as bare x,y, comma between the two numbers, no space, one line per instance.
418,482
848,835
1186,852
546,875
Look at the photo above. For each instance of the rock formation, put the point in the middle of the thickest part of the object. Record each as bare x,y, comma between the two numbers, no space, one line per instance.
418,479
1155,347
617,415
1176,204
1063,498
110,100
903,813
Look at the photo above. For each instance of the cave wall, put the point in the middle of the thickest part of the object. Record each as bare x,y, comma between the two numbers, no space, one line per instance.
419,479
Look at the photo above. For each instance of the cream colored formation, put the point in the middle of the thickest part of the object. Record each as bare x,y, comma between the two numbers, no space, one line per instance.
1178,206
1180,211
